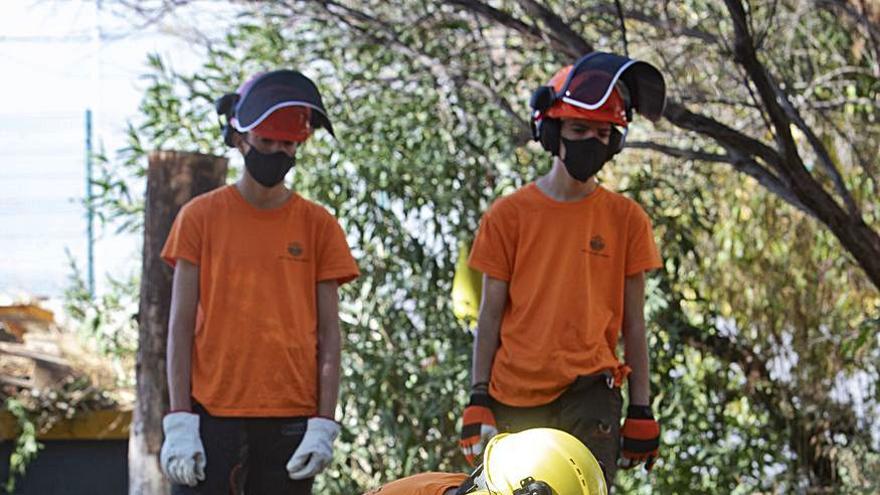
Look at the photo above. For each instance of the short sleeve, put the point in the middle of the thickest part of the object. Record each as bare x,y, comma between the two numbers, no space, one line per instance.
641,250
335,261
494,248
185,239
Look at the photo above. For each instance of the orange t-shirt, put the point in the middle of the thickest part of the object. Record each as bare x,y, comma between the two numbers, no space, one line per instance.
255,347
565,263
421,484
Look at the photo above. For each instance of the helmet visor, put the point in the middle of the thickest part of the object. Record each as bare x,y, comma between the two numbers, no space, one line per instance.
276,90
594,77
588,89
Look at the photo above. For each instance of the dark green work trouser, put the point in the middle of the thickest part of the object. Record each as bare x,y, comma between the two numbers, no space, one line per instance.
589,410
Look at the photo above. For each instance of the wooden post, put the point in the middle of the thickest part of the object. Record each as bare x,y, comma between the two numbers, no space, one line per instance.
173,178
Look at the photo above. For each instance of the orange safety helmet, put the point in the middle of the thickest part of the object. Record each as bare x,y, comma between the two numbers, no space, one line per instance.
602,87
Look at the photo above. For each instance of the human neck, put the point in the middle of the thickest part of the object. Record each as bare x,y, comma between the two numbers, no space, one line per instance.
560,186
260,196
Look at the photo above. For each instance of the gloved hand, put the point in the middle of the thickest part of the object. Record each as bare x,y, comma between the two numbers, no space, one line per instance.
315,452
640,438
477,425
182,456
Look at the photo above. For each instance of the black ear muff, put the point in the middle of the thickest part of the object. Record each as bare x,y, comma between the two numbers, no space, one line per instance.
543,129
225,106
543,98
615,142
548,131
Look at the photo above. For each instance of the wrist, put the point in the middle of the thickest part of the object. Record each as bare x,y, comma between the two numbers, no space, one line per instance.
480,398
635,411
326,417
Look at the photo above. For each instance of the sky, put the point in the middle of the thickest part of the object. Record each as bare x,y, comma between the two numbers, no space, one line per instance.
60,58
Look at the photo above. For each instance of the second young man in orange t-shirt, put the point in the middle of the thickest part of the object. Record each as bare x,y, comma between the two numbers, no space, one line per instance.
563,262
254,341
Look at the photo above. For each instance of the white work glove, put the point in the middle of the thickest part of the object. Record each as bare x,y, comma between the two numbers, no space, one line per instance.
182,456
315,452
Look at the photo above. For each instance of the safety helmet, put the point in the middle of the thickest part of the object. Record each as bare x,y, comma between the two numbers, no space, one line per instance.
283,105
538,461
602,87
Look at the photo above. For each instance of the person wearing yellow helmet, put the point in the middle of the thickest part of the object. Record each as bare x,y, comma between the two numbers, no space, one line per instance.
564,262
538,461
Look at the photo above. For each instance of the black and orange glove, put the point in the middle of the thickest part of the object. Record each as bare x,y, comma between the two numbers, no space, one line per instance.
640,438
477,425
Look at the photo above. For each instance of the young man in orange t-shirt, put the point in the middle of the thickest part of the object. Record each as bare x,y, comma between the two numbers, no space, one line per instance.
253,341
563,262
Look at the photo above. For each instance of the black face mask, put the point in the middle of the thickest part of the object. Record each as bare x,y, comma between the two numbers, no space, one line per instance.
585,157
268,168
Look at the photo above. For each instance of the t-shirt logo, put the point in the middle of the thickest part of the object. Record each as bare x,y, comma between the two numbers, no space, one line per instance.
295,249
597,243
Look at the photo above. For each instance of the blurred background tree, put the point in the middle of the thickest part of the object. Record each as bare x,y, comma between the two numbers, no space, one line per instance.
761,182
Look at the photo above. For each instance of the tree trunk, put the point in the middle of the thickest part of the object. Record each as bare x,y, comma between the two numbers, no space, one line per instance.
173,178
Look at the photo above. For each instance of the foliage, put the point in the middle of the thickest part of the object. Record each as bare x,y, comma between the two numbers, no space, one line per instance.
26,445
108,321
762,326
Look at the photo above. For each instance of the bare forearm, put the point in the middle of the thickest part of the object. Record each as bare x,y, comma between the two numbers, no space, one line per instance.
181,328
329,347
485,346
492,305
179,357
329,355
635,341
636,345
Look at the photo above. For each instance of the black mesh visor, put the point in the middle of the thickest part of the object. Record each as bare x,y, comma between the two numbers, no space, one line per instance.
591,80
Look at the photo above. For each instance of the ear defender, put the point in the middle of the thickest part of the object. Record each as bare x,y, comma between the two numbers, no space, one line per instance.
616,141
544,130
549,132
225,106
543,98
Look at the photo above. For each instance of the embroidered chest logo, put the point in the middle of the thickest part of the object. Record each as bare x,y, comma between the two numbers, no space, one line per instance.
597,247
295,250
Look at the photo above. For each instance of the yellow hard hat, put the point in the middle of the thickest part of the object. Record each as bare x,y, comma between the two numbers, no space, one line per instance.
541,461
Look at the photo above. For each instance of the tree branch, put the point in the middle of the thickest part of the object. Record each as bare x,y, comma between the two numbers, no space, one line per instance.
658,22
679,152
745,55
503,18
726,136
573,43
740,162
824,157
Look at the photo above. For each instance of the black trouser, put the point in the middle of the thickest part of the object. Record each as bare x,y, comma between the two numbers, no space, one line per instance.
248,456
590,410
